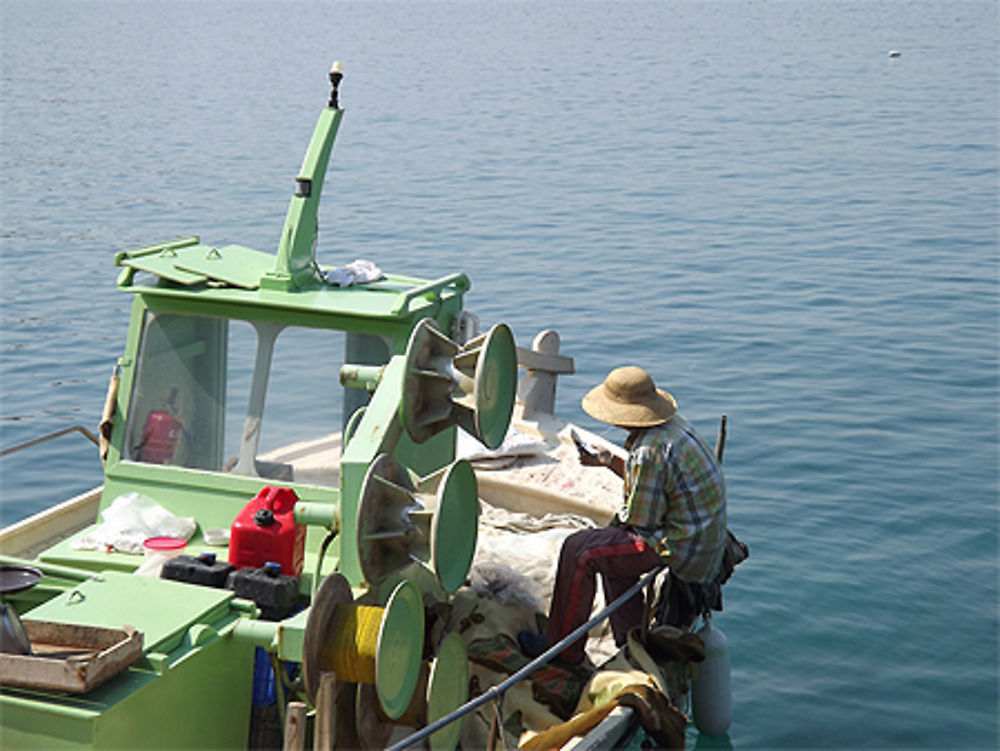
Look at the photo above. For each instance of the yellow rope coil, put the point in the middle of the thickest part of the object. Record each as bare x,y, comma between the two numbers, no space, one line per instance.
350,652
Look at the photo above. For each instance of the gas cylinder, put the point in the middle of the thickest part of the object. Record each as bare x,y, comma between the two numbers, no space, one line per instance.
265,532
160,436
711,693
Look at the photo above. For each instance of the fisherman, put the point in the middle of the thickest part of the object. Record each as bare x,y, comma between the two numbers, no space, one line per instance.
674,514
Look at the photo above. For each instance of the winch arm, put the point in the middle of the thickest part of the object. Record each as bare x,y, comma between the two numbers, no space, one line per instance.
295,265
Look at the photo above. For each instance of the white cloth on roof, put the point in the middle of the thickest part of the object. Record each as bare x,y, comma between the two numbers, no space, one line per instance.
358,271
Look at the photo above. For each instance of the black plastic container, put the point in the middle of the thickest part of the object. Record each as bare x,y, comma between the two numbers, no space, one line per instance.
203,569
274,593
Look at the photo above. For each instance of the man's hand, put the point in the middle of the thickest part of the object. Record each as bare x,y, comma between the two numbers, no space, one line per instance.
601,457
597,456
604,458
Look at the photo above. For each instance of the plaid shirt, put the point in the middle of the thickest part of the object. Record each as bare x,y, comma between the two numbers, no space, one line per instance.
675,497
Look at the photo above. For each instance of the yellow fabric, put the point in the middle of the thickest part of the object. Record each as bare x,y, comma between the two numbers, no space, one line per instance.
557,736
603,687
664,724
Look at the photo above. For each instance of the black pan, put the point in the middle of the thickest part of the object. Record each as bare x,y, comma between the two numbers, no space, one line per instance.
15,578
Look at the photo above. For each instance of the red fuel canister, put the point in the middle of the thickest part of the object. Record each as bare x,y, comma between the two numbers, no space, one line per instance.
265,531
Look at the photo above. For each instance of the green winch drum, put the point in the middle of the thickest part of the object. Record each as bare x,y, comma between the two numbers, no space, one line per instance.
399,649
448,689
399,524
426,406
455,526
496,385
442,688
365,644
472,386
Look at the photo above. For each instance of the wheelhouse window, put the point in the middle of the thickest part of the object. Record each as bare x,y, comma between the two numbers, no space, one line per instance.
250,398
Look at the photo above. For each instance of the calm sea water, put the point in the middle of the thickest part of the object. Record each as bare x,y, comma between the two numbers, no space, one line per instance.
750,199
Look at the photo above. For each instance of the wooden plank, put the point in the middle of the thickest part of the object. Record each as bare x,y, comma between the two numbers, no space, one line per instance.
326,713
295,727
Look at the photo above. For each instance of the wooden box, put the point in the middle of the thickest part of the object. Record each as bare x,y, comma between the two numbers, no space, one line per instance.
70,657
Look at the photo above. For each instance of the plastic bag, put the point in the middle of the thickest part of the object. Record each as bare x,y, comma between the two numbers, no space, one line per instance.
131,519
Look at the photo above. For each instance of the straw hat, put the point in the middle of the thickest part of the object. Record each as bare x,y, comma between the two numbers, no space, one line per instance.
629,398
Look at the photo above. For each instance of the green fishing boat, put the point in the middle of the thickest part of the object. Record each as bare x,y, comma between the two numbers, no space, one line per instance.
218,593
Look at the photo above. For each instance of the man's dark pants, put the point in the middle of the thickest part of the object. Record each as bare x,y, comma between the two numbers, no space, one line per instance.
620,557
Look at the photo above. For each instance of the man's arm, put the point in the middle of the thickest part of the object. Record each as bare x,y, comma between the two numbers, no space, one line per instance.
645,500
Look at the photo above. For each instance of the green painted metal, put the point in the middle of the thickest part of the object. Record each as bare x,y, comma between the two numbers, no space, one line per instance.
296,262
400,647
365,350
377,433
284,639
319,514
201,701
159,259
473,386
190,691
381,307
232,264
361,376
448,689
455,525
164,611
495,384
188,263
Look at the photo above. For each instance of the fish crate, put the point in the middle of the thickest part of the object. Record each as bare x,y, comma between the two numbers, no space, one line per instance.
70,657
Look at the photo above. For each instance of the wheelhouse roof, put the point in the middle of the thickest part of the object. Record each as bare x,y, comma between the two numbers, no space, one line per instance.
196,275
